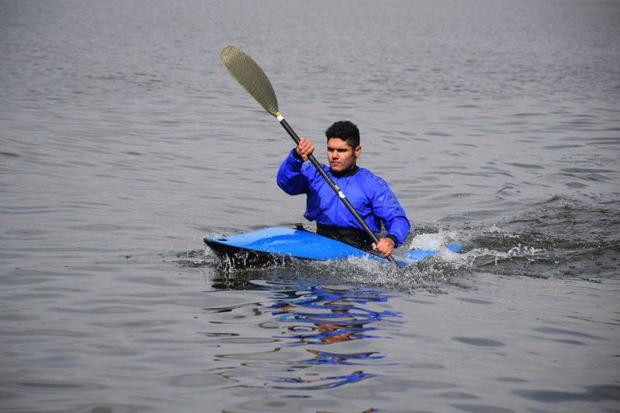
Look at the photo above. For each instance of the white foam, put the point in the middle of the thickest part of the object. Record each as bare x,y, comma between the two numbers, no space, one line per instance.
437,241
433,241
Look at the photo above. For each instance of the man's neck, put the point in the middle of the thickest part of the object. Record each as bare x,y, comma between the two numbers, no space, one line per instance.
348,172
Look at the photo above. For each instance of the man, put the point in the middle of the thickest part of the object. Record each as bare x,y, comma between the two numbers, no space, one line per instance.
369,194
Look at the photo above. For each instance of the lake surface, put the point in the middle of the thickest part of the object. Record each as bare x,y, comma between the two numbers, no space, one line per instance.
124,141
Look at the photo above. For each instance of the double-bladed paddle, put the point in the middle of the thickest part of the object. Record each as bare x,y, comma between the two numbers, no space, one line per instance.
254,80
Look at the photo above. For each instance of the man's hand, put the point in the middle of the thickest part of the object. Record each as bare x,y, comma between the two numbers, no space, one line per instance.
304,148
385,246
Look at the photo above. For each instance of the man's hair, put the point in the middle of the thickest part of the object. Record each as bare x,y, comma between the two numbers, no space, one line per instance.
345,130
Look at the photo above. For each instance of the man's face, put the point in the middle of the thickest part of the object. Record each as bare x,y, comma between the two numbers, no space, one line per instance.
340,155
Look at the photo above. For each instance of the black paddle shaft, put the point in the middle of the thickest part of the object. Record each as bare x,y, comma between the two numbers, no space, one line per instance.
332,185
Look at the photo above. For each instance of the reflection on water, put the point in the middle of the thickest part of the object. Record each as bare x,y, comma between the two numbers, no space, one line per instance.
314,317
336,315
317,315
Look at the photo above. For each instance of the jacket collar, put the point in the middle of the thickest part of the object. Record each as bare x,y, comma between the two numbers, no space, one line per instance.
348,172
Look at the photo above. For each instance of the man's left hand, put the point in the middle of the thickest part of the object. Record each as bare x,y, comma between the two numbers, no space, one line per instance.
385,246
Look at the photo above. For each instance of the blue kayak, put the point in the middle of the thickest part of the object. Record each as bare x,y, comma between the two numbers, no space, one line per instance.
275,245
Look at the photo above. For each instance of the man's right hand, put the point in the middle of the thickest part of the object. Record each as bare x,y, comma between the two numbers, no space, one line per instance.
304,148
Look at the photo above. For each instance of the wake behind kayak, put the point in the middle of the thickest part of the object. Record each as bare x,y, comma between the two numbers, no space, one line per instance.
279,245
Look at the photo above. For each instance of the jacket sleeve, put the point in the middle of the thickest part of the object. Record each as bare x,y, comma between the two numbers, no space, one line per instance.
290,176
389,210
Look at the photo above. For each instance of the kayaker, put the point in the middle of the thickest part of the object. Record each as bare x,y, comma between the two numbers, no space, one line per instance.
368,193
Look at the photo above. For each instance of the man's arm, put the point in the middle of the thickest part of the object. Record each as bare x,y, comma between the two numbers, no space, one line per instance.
387,207
290,176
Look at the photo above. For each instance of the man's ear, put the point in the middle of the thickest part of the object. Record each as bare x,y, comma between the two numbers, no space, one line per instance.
358,151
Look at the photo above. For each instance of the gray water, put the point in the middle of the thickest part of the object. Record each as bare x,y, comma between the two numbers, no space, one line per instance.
123,141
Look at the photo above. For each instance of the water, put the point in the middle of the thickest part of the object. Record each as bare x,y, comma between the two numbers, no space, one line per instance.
124,141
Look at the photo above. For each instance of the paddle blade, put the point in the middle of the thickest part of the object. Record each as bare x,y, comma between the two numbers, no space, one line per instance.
249,75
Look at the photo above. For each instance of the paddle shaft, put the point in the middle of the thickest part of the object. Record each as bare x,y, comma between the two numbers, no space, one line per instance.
332,185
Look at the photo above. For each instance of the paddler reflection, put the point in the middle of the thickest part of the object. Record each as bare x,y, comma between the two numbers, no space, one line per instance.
323,316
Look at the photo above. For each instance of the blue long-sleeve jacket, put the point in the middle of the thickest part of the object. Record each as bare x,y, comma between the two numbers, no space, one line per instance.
368,193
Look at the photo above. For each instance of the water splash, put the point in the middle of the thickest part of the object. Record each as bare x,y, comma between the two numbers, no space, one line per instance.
561,237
